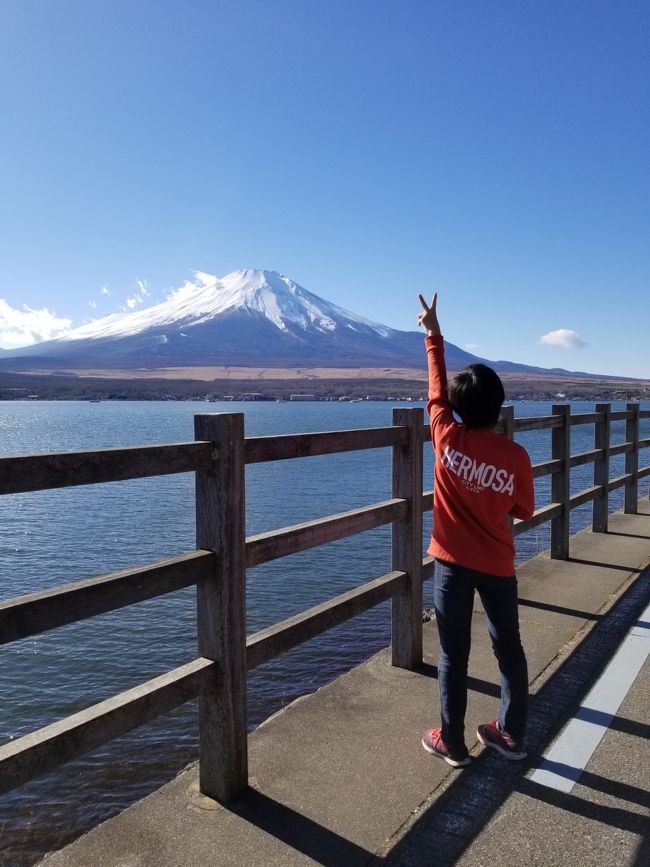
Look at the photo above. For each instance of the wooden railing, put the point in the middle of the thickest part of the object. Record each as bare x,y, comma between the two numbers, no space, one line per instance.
218,568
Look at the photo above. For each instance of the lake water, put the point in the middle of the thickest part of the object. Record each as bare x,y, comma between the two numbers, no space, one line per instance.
49,538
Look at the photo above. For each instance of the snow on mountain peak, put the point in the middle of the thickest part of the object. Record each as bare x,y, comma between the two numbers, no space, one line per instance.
267,293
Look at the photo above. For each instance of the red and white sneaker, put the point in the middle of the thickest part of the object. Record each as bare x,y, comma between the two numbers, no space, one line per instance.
433,743
490,735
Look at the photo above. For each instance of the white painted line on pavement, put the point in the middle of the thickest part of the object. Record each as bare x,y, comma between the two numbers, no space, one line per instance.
563,763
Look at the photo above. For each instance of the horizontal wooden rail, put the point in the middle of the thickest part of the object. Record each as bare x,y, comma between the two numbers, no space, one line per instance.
621,449
300,537
427,501
281,637
546,468
644,444
644,472
585,496
280,448
621,415
619,481
586,418
537,423
37,612
540,516
21,473
586,457
51,746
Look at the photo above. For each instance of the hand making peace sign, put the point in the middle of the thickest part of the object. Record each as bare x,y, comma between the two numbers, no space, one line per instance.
429,319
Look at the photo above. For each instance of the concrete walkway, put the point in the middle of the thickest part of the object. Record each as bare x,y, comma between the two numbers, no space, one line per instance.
339,778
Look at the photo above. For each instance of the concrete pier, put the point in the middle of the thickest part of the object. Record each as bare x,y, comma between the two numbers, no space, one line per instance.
339,778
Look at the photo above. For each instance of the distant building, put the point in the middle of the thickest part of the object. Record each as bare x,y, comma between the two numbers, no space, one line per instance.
302,397
252,395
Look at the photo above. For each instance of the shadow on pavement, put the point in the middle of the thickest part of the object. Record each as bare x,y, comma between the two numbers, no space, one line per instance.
455,818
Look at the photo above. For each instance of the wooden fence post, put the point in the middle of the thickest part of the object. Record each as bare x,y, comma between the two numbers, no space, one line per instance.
407,541
601,468
221,608
560,481
632,459
508,422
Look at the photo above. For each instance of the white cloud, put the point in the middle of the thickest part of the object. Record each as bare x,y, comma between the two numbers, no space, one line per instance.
133,301
26,326
189,288
104,290
565,338
93,304
471,346
139,296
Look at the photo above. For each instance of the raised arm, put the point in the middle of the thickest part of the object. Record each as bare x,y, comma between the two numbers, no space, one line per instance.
438,405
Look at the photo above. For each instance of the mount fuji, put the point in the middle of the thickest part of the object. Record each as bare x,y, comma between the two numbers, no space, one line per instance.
248,318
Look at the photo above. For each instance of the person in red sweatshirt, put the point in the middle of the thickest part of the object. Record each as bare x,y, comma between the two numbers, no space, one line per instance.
481,479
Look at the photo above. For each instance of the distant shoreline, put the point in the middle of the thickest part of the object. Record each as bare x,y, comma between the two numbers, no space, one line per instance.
235,383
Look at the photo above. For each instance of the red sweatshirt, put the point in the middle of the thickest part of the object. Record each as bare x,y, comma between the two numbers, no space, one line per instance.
480,478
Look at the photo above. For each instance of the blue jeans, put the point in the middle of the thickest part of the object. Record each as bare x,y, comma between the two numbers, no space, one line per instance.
454,601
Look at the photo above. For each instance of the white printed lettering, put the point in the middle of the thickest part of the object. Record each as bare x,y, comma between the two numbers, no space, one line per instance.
465,464
488,475
477,476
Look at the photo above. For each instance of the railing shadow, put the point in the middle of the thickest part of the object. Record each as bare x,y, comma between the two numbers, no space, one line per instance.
598,564
301,833
559,609
474,684
457,817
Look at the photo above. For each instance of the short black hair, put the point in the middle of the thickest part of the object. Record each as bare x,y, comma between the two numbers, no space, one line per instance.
476,394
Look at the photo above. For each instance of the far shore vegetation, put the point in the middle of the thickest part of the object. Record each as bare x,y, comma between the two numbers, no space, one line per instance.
17,386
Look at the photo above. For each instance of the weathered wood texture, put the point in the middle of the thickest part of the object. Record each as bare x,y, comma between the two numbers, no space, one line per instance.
586,458
38,612
632,459
221,608
540,516
281,637
406,553
51,746
546,468
508,421
507,418
427,569
601,468
541,422
561,451
279,448
65,469
585,496
585,418
618,482
290,540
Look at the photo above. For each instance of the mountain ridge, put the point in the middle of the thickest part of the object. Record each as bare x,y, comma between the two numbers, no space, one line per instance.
250,317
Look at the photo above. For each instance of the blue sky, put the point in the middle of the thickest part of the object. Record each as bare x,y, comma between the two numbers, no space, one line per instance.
495,151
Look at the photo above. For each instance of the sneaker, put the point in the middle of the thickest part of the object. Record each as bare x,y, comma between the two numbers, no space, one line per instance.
490,735
433,743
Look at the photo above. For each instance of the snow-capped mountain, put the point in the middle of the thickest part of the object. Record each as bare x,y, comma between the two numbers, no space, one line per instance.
276,298
247,318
